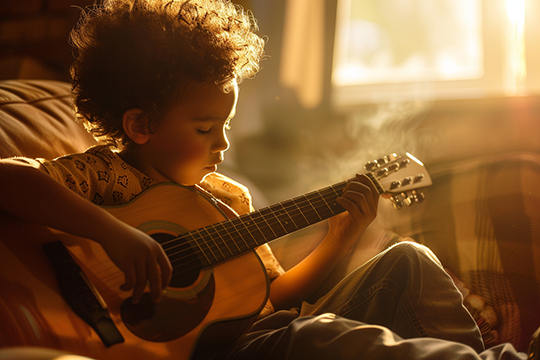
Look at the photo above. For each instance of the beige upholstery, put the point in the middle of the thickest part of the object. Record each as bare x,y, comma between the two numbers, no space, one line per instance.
36,120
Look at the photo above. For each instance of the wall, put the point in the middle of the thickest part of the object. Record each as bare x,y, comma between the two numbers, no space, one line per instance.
34,37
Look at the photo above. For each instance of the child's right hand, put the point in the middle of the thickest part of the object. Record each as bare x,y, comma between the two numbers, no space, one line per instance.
26,189
142,260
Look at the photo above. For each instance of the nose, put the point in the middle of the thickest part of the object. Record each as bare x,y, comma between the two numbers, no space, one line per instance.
221,143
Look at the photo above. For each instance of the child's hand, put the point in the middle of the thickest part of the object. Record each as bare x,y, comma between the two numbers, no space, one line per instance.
142,260
361,199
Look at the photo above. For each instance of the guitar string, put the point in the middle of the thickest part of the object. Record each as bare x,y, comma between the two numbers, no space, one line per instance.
273,217
272,220
270,224
295,209
306,204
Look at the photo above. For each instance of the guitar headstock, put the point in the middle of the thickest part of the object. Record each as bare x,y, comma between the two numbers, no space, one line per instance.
399,176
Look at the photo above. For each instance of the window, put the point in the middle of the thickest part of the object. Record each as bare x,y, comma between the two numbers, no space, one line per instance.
399,50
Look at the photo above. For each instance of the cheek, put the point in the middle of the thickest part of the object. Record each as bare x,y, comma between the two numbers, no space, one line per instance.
183,150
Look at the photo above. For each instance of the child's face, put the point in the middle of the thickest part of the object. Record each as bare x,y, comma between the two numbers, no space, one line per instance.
190,139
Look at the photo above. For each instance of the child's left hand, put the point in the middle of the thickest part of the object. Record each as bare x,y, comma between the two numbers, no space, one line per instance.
360,198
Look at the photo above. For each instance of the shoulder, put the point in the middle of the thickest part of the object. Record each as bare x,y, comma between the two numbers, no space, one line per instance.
99,175
229,191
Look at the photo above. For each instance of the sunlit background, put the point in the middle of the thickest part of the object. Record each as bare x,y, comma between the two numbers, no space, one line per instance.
454,82
346,81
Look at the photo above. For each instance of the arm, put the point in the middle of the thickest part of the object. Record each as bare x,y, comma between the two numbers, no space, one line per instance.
32,195
360,199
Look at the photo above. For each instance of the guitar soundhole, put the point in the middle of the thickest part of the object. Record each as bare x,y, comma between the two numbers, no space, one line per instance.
186,264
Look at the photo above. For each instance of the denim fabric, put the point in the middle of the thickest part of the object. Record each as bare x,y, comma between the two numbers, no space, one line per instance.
405,289
399,305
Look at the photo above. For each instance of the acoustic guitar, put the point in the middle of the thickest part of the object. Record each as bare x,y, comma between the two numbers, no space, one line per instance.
219,284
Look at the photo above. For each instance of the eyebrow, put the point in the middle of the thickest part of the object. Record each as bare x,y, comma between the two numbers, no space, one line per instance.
207,119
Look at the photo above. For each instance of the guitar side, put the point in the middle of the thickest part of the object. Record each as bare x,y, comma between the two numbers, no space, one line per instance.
38,316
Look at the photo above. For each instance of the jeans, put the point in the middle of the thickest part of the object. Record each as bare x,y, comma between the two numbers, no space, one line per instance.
405,289
399,300
401,304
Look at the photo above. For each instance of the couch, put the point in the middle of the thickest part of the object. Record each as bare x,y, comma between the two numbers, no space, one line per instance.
481,218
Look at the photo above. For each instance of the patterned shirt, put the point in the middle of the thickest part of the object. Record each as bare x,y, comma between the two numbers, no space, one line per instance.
102,177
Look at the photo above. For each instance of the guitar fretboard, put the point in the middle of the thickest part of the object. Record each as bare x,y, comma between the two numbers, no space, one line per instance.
222,241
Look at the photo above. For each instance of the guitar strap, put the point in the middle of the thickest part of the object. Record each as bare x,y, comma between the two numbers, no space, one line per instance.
80,294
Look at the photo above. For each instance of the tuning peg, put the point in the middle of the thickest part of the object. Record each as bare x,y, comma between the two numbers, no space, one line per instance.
396,202
418,196
418,178
382,172
383,160
395,184
406,181
404,162
407,199
370,166
393,167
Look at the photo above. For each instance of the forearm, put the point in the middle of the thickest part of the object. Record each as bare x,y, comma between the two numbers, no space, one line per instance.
30,194
289,289
360,199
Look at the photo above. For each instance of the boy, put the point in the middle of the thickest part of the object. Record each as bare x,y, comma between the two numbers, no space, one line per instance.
158,82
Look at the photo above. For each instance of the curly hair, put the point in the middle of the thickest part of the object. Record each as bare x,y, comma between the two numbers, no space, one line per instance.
143,54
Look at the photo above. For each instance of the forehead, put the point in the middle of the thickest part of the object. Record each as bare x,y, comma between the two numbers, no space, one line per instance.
204,102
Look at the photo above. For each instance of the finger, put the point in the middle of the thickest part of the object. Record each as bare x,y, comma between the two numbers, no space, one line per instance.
129,279
364,185
355,203
154,280
166,269
364,194
367,181
140,285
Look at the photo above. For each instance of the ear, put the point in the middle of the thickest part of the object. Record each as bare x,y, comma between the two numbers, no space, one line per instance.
136,127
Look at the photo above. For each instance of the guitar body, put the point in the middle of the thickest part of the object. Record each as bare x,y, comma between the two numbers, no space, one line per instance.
201,309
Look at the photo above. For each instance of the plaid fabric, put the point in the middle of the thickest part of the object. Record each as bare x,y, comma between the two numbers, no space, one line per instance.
481,217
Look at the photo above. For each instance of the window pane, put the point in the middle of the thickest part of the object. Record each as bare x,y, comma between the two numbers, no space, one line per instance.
389,41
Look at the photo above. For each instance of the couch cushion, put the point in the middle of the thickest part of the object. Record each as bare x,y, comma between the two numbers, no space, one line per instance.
481,218
37,120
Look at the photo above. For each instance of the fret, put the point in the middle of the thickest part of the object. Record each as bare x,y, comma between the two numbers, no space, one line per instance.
336,191
218,240
274,224
327,203
307,209
318,204
210,253
263,226
296,214
235,236
284,218
228,239
254,229
329,196
212,240
244,233
232,237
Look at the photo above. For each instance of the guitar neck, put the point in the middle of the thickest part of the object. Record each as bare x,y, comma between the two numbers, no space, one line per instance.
395,175
233,237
